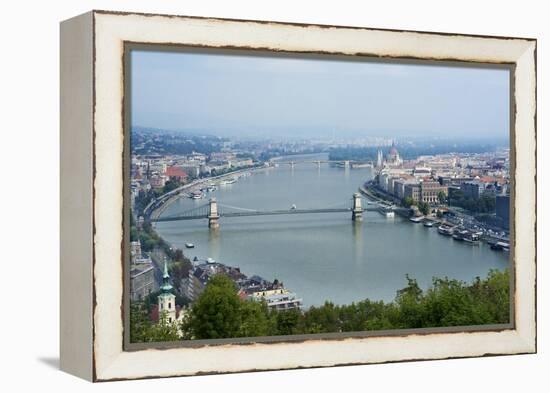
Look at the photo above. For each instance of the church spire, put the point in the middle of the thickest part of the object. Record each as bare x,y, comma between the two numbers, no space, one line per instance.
166,299
166,287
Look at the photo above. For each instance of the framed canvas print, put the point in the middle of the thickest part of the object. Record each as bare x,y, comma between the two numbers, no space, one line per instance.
246,195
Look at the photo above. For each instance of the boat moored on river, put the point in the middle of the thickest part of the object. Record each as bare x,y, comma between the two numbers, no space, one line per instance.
228,181
208,188
197,195
500,246
387,212
466,236
445,230
472,238
359,165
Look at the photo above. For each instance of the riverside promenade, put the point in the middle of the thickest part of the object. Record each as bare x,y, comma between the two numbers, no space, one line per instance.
155,208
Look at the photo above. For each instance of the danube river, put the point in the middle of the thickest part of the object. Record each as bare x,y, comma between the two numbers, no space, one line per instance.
323,256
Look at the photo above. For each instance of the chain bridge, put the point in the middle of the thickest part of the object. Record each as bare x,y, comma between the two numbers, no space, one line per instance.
341,163
214,210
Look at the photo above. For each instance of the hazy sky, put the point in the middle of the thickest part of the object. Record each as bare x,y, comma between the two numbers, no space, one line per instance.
253,95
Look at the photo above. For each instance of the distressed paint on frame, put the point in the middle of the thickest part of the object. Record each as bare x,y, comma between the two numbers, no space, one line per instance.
152,353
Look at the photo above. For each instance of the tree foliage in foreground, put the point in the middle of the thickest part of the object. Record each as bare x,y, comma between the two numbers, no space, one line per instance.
216,313
220,313
142,329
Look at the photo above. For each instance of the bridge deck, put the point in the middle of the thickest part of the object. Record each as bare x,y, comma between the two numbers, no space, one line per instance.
262,213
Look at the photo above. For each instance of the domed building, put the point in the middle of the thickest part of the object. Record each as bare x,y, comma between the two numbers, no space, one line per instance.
393,158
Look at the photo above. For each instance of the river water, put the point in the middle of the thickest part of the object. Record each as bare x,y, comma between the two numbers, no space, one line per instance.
323,256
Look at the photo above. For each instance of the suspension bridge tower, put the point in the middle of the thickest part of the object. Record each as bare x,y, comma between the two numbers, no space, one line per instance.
357,210
213,214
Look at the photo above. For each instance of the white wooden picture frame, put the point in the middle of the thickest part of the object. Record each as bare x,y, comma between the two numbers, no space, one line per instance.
92,196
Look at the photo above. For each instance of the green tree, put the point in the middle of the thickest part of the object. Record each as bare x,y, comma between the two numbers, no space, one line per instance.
140,323
288,321
178,255
408,301
353,317
484,204
170,185
424,208
133,234
219,312
216,313
179,270
493,295
322,319
449,303
142,329
442,197
163,330
254,320
407,202
380,316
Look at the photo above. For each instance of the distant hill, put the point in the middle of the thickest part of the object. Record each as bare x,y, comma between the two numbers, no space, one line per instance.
410,150
148,141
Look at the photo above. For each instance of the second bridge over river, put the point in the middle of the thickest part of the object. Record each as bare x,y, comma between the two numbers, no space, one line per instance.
213,211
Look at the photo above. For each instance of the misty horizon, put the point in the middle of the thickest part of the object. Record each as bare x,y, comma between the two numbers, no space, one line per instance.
269,97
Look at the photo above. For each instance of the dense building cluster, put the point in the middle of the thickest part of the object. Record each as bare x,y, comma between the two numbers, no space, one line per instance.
432,179
142,273
153,171
253,288
168,313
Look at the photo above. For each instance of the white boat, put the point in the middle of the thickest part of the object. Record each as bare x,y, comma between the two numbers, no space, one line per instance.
293,207
416,220
466,236
459,235
500,246
428,224
472,238
189,245
358,165
228,181
445,230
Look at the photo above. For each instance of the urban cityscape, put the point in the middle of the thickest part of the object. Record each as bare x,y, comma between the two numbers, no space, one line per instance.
465,195
248,234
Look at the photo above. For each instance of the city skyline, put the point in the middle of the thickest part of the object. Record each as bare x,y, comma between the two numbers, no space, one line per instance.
264,96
